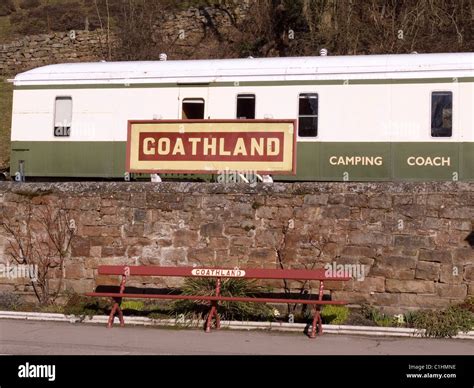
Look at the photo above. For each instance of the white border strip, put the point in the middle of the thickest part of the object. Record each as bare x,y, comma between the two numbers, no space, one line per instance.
233,325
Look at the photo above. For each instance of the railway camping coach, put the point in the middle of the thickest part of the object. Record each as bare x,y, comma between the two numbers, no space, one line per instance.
358,118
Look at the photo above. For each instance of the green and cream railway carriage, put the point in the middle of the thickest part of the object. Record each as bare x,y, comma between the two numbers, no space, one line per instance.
360,118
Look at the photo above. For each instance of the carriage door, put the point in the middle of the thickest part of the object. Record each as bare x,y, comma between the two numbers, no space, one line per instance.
193,102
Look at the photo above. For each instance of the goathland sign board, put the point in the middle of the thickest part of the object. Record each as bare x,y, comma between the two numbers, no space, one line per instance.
211,146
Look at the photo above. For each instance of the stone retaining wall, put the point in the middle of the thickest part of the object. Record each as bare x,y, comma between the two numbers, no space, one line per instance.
413,239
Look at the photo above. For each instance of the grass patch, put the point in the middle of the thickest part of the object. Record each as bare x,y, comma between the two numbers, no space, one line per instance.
6,96
334,315
381,319
228,310
10,301
444,323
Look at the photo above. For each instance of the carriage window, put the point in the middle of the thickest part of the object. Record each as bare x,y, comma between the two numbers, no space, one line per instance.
308,115
193,108
441,114
62,116
246,106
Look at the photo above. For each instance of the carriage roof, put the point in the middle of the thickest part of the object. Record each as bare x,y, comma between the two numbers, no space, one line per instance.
254,69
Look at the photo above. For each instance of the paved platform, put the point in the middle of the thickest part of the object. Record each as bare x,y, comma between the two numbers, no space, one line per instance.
53,338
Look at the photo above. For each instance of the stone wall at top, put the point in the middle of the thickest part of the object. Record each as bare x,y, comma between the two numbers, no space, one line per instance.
413,240
44,49
184,29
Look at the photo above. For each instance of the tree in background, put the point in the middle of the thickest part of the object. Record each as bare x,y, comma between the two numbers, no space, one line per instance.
302,27
138,30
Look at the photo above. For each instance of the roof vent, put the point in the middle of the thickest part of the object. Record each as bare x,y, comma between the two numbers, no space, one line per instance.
323,52
163,57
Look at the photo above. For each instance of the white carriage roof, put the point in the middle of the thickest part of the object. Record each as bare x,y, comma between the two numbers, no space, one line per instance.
258,69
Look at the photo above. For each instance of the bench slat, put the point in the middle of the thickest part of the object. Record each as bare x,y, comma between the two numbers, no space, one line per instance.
258,273
214,298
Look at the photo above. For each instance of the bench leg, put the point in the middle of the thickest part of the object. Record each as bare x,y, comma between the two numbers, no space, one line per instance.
120,314
317,321
213,312
115,308
218,319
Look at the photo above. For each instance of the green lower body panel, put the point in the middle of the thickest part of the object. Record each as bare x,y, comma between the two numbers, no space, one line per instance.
426,161
307,163
69,159
467,161
355,161
316,161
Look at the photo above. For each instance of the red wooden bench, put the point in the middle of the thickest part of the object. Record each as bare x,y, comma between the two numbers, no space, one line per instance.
218,273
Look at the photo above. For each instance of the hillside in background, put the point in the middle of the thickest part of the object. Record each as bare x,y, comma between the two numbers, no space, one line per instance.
270,28
34,32
5,121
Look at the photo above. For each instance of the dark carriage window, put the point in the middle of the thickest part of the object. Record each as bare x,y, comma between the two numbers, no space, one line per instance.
441,114
193,109
62,116
308,115
246,106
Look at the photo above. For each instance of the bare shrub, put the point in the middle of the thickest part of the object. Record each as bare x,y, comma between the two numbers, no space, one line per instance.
41,236
302,27
316,246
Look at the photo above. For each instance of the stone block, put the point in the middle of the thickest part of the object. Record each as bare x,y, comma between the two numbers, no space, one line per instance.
113,251
80,246
336,212
410,241
217,242
358,251
382,201
424,301
352,297
462,212
438,256
172,256
74,271
369,239
356,200
469,272
184,238
427,270
463,256
201,255
455,291
262,255
242,242
101,231
370,284
212,229
470,289
86,285
410,286
316,199
451,274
